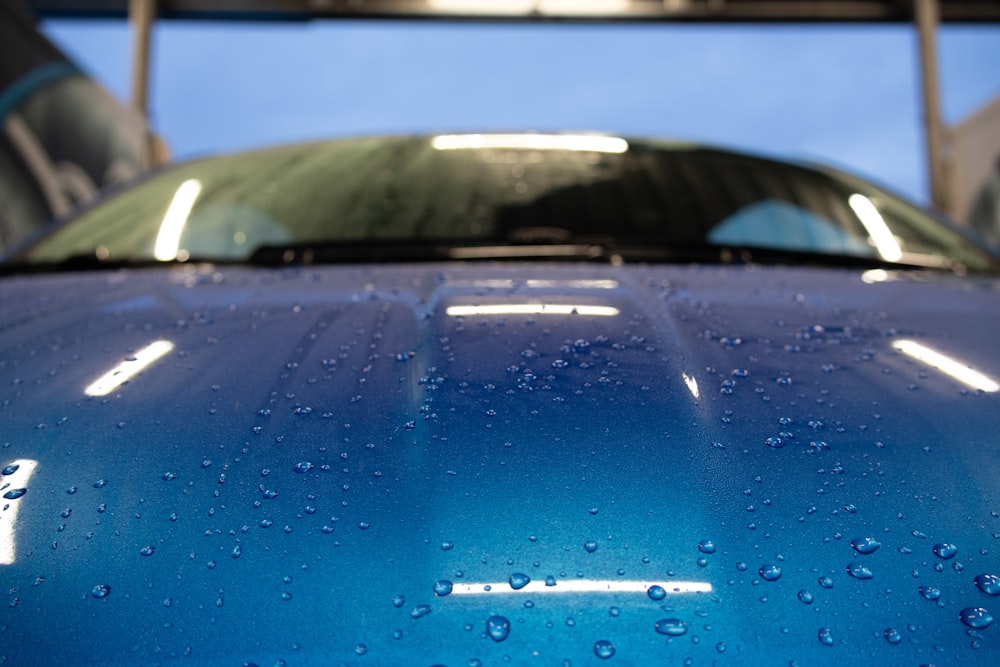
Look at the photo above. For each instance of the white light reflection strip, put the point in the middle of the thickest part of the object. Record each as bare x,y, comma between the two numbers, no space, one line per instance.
946,365
879,232
482,284
168,239
127,369
692,384
872,276
538,142
532,309
512,7
8,517
518,7
572,284
583,7
582,586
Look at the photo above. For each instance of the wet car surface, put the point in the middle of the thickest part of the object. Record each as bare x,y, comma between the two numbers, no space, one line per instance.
479,463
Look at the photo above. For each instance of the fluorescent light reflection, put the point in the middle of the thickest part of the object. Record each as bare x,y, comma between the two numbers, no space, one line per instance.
168,239
583,7
538,142
8,517
533,283
692,384
506,7
482,284
947,365
532,309
582,586
572,284
127,369
522,7
872,276
879,232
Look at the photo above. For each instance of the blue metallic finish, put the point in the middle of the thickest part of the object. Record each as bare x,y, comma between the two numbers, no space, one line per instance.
322,447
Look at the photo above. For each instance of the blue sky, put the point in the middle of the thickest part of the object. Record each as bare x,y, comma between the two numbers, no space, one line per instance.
847,95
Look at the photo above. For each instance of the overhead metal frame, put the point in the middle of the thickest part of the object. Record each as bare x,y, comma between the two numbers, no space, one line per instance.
770,11
925,14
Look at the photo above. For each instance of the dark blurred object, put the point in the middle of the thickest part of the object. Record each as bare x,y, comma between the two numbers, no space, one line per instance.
984,215
62,138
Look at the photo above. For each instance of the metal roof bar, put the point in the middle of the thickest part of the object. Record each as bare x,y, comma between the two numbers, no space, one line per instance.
701,11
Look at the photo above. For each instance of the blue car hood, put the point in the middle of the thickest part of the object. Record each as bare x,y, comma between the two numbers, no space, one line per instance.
499,464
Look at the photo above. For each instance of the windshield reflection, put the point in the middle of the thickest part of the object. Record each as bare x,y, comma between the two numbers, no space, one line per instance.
540,142
168,238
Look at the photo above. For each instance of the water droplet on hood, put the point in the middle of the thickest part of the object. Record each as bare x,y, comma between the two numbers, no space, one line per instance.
518,581
442,587
604,649
769,572
497,627
945,550
656,592
865,545
929,592
859,571
988,583
976,617
673,627
101,591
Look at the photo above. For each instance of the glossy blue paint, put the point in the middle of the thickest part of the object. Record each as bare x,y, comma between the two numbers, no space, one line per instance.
322,446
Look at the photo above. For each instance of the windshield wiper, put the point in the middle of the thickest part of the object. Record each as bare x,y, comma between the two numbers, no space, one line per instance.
91,262
515,251
598,249
421,251
791,257
603,250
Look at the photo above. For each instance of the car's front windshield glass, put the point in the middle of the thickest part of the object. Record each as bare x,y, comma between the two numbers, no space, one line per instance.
502,189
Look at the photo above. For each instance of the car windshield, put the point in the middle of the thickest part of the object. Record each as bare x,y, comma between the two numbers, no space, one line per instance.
502,190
